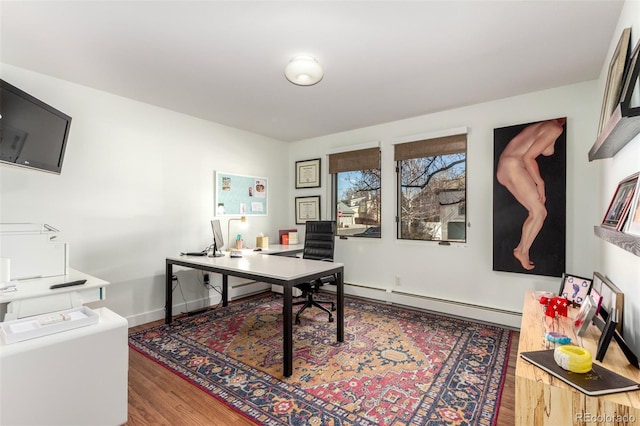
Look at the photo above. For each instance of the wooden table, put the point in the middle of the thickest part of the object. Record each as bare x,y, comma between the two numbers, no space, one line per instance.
542,399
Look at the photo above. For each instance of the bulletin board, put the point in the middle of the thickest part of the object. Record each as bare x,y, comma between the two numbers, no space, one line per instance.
237,195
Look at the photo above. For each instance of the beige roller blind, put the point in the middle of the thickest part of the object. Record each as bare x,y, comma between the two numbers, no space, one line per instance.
361,159
431,147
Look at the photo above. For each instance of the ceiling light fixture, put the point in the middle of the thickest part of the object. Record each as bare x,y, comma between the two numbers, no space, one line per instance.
303,71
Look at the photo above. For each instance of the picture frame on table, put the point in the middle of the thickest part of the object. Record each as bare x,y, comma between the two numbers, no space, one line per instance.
307,208
607,334
620,203
308,173
574,288
597,297
615,76
612,298
585,316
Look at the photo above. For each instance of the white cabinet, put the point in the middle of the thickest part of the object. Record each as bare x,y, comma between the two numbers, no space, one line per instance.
76,377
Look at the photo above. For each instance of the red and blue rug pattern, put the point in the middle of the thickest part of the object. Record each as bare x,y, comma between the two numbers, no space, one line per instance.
397,366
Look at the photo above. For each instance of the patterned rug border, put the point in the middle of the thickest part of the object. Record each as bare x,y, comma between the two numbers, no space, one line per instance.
258,416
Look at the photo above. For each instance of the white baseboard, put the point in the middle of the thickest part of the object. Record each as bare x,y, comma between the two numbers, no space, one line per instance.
236,291
479,313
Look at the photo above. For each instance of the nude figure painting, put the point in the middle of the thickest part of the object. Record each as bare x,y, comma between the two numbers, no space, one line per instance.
529,198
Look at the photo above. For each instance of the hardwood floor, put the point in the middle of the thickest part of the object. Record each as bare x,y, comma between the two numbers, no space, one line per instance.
159,397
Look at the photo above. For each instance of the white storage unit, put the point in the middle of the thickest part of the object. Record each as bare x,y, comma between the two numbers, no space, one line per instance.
32,251
75,377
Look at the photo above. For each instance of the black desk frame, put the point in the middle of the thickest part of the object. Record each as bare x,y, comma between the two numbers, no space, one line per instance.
287,286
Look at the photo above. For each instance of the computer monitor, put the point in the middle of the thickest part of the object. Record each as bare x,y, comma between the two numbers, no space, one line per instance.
218,241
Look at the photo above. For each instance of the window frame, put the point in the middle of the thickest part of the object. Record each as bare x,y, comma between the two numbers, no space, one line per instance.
355,154
445,136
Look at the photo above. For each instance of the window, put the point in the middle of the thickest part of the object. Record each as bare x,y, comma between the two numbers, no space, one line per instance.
432,182
356,192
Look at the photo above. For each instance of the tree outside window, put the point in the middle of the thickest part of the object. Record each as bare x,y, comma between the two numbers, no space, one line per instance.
357,197
432,189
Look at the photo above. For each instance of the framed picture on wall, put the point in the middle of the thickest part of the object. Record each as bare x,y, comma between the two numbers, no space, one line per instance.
620,203
308,174
630,89
632,224
307,208
613,87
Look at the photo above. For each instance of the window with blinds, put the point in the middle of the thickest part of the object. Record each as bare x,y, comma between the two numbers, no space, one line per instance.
432,182
356,192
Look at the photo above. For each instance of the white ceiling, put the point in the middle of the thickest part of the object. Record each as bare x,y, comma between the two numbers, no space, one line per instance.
383,60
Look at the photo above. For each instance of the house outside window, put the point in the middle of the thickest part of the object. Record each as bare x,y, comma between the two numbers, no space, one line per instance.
431,176
356,192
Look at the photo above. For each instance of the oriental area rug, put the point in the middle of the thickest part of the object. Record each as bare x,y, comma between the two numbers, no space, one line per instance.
397,366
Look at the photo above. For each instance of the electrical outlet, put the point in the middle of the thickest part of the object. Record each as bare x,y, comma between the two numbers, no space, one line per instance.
206,278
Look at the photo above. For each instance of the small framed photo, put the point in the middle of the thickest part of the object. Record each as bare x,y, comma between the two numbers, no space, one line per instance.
612,299
308,174
620,203
574,288
307,208
585,315
632,225
597,297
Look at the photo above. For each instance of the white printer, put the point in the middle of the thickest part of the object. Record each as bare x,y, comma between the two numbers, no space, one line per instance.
30,250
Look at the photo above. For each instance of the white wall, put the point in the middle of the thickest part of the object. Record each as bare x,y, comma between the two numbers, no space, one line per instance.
137,185
622,267
463,272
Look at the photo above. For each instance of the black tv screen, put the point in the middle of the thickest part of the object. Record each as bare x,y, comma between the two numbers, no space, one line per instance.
32,133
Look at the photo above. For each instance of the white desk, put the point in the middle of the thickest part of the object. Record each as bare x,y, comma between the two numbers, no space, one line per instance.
283,249
76,377
281,270
34,297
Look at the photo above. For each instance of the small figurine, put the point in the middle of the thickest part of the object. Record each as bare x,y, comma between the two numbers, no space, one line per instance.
555,306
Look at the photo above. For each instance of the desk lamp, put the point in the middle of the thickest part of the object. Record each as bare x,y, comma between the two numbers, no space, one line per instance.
232,246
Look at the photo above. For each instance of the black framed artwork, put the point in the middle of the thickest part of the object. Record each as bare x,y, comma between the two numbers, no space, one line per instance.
607,334
308,173
307,208
513,251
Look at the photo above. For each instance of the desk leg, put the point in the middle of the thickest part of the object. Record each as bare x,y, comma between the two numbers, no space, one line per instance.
340,295
225,289
168,302
287,331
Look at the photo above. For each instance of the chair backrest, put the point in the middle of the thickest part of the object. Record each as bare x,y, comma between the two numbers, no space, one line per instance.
319,240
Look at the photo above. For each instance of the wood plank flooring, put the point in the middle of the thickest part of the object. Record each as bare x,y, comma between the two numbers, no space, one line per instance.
159,397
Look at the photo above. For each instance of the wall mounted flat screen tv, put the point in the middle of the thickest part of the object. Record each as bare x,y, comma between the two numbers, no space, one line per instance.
32,133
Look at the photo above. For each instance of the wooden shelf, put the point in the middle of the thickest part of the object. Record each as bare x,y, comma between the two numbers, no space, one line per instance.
630,243
617,132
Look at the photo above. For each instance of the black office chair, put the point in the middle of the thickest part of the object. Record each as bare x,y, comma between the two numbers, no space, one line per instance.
319,242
